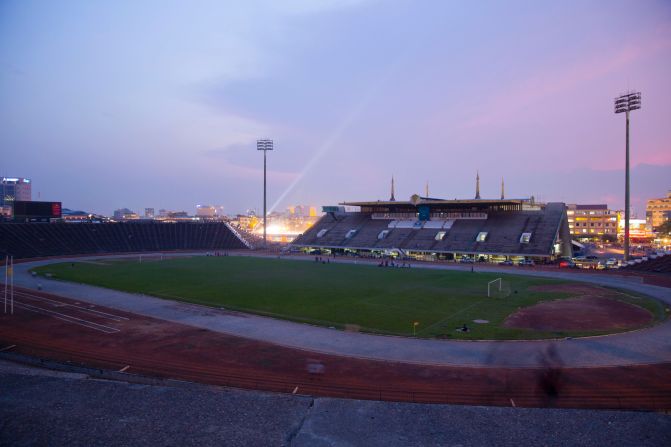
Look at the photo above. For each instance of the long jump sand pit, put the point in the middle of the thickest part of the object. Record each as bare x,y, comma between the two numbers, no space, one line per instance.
592,309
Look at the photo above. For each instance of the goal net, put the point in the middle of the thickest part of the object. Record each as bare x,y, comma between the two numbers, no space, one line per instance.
498,288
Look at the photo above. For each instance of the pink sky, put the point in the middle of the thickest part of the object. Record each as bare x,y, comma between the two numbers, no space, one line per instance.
153,105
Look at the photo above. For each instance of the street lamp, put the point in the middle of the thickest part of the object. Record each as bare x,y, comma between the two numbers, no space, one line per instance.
264,145
625,104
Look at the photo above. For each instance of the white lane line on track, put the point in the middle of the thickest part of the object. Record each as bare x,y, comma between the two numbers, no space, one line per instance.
68,318
64,304
7,348
124,369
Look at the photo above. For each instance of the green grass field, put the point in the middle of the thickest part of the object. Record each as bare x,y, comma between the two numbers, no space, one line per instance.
380,300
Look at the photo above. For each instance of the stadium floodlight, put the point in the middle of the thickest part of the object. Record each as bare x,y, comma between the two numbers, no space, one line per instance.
265,146
625,104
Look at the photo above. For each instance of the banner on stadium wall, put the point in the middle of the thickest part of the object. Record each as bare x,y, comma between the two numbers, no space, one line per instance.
424,212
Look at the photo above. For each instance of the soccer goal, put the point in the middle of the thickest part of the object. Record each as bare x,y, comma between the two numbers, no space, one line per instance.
498,288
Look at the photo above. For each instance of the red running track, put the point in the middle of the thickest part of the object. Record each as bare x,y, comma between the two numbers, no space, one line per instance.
58,328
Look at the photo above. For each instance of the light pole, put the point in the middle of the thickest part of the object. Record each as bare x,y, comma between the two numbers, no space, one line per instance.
627,103
264,145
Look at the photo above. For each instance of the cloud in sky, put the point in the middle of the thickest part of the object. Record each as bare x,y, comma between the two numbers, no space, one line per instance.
129,97
554,81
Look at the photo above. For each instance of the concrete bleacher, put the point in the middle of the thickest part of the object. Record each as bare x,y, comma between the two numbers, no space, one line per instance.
30,240
504,230
659,264
396,238
337,228
368,233
424,239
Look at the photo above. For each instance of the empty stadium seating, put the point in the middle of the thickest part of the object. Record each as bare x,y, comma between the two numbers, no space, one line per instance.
661,264
503,229
30,240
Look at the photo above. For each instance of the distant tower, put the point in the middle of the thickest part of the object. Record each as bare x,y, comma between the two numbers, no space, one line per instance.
477,185
503,196
427,189
392,198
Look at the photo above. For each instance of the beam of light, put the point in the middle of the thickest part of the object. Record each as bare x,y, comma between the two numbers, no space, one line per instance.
333,138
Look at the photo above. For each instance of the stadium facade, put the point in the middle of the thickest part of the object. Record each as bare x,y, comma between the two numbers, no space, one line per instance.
431,228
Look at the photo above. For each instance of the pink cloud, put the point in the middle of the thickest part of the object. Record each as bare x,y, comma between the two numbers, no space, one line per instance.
508,105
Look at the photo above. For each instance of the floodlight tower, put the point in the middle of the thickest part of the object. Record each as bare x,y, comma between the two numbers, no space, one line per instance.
264,145
627,103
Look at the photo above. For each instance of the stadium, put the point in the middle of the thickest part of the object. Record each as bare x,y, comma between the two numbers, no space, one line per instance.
154,301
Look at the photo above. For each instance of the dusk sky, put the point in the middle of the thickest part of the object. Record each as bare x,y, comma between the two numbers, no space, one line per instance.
158,104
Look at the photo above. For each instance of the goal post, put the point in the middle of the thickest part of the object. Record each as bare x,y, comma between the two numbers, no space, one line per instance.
489,286
498,288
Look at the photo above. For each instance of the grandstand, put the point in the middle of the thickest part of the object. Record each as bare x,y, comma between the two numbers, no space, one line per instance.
31,240
446,229
654,264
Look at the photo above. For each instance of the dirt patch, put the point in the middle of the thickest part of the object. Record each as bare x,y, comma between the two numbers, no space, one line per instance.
586,313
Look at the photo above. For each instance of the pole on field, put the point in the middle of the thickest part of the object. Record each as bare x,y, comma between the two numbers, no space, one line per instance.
12,288
489,285
6,273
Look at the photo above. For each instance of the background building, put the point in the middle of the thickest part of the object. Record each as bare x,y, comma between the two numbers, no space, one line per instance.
11,190
125,214
592,221
15,188
302,211
206,211
638,230
149,213
658,211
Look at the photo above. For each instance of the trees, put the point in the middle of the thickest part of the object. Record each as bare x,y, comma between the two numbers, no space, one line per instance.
665,228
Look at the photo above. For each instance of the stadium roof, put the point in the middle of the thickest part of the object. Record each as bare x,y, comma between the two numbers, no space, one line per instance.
432,201
592,207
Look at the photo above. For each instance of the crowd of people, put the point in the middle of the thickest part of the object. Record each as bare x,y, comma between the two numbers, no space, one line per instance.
388,263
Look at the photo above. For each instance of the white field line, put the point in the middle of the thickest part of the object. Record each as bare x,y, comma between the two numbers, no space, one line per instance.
67,318
161,293
61,303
